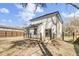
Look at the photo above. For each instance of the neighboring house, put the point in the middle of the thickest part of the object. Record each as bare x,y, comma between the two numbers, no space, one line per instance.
7,31
49,24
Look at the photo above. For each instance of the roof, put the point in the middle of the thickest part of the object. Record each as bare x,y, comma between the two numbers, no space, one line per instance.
56,12
9,27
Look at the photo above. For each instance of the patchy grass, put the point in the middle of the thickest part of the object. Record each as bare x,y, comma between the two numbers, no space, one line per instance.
70,38
19,48
33,48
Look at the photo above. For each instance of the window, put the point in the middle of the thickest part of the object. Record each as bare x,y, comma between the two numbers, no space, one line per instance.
47,32
35,31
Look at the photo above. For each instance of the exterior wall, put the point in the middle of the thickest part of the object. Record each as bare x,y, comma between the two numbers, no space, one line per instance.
47,24
37,22
59,30
41,30
42,19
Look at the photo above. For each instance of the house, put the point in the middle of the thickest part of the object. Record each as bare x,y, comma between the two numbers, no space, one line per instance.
8,31
46,25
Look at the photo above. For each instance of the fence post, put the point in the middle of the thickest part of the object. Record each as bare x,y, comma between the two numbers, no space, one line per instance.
63,36
73,36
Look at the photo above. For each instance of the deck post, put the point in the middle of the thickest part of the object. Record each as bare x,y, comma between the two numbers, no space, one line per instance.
50,34
73,36
40,37
63,36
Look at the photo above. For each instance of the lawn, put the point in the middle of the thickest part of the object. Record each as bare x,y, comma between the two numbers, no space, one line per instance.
70,38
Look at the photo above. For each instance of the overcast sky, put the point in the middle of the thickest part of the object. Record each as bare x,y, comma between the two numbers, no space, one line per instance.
16,15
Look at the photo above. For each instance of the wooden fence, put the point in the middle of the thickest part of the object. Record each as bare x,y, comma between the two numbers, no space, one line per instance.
70,37
11,33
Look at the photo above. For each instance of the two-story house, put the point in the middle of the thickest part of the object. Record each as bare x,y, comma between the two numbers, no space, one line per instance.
49,24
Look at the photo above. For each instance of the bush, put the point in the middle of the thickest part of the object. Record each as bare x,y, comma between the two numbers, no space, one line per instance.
77,41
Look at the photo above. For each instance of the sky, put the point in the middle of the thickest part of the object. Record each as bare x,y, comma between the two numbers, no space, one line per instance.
12,14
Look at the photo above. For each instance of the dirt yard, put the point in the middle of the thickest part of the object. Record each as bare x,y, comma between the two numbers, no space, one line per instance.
27,47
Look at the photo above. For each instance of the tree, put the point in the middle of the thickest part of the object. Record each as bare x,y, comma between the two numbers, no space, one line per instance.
72,26
44,5
74,5
36,5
